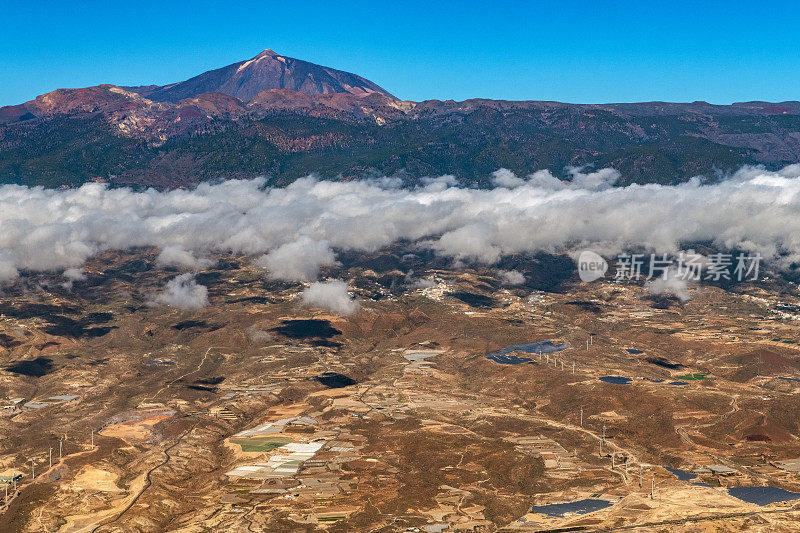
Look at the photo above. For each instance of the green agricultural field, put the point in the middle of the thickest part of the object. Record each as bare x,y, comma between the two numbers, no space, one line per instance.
260,444
694,376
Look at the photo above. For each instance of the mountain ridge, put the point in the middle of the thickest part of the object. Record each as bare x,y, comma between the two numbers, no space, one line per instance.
266,71
283,117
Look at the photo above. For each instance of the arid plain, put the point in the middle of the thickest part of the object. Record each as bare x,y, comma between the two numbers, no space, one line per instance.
258,414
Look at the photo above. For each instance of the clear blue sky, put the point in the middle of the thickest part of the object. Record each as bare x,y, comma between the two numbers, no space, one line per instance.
601,51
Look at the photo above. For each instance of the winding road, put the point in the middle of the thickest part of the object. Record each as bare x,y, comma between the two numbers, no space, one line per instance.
148,479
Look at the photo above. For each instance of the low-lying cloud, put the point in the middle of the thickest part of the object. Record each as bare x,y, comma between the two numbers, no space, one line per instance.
75,274
330,295
294,230
183,292
257,335
512,277
176,256
72,275
672,283
297,261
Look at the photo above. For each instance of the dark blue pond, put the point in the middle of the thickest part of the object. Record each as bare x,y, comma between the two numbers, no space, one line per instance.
678,383
618,380
683,475
789,379
509,359
763,495
632,351
534,347
588,505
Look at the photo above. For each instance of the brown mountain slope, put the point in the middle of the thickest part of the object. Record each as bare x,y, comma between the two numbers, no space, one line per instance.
266,71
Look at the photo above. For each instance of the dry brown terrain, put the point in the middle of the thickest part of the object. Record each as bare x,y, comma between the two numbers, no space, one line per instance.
257,414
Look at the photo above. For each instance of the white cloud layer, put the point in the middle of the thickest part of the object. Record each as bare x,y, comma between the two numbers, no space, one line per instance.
296,227
330,295
183,292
